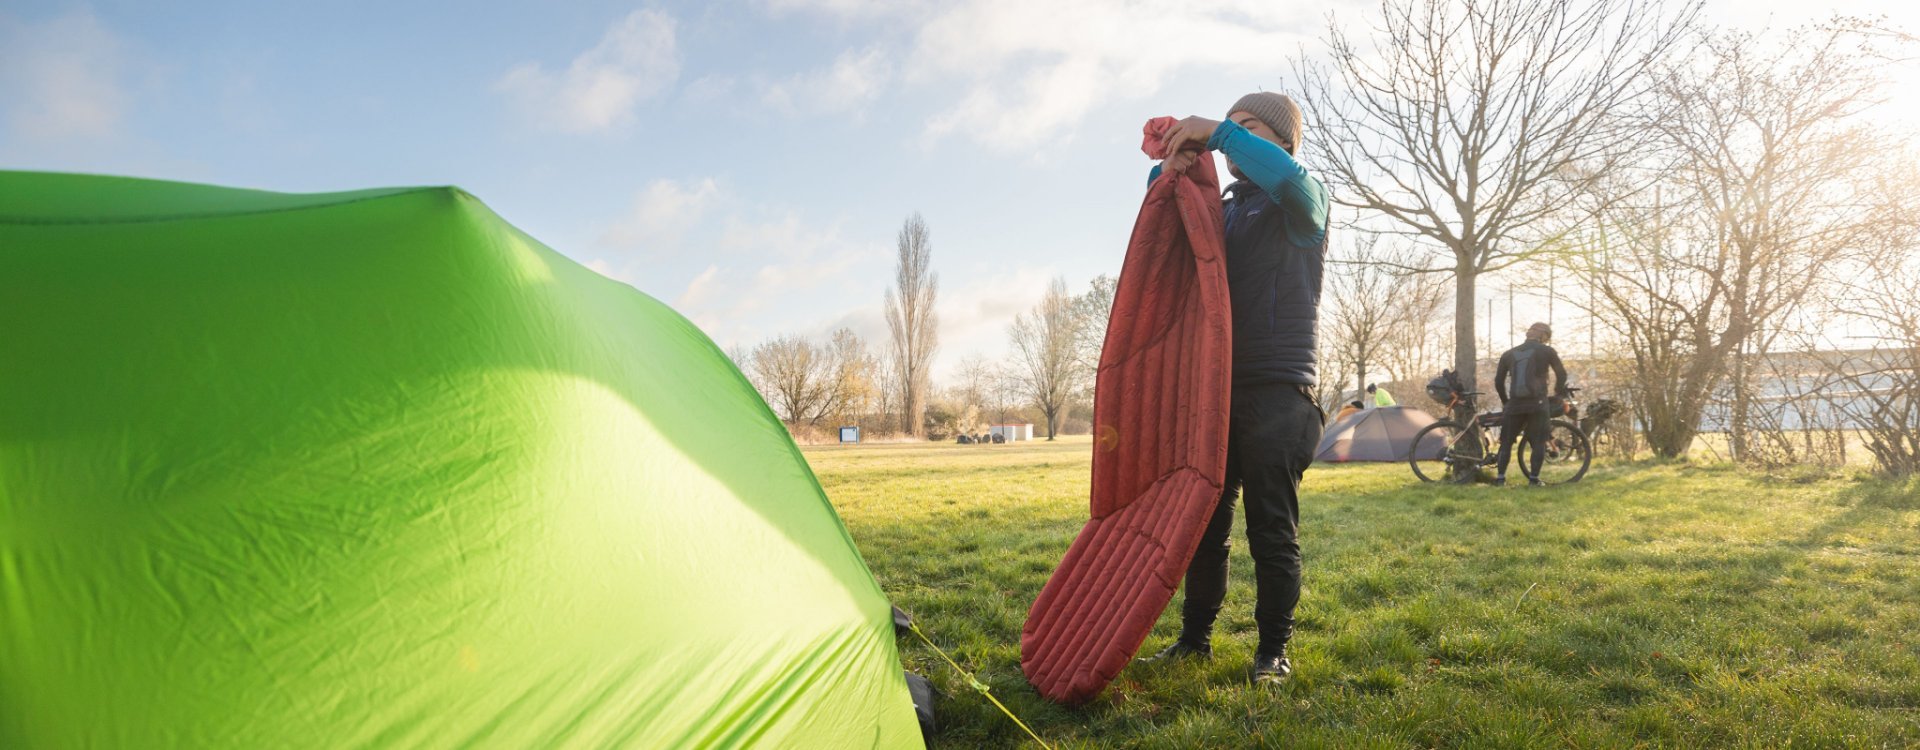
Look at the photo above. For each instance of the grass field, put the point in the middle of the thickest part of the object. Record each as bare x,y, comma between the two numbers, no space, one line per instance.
1655,604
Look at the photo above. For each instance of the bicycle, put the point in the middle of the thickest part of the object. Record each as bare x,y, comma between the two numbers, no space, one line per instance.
1598,423
1447,451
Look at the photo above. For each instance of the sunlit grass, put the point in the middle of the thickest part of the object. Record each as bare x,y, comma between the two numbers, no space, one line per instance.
1664,604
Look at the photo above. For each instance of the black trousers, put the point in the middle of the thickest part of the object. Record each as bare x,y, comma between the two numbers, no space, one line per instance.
1272,432
1531,419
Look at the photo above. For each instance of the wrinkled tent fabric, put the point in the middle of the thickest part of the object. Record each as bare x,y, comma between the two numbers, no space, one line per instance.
1383,433
1160,426
376,469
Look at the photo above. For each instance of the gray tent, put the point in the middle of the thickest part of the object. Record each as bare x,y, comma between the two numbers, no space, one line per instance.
1383,433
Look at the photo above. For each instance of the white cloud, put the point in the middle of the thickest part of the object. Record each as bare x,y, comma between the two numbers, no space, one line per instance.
1022,73
868,322
622,274
62,79
845,8
661,214
698,291
855,78
712,87
784,264
787,237
974,316
811,263
1030,72
601,89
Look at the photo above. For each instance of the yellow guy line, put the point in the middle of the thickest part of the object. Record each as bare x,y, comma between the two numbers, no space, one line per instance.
977,685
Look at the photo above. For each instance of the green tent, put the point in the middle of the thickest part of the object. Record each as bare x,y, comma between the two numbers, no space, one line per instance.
376,469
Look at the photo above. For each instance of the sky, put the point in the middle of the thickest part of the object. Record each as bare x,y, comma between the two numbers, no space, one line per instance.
748,162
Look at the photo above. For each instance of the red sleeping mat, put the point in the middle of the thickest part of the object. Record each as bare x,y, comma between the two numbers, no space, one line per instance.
1160,441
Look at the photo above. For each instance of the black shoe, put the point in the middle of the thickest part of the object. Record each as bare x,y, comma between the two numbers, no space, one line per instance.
1531,482
1271,669
1499,481
1180,651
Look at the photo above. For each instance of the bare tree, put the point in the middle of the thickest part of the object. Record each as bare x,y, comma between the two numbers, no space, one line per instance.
1767,184
795,378
1004,390
1416,345
912,321
1878,387
886,394
1473,125
1885,40
742,358
1094,307
1047,344
1329,390
1373,305
1360,317
1645,302
852,374
973,384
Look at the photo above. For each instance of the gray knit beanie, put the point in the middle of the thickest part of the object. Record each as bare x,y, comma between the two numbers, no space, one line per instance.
1278,112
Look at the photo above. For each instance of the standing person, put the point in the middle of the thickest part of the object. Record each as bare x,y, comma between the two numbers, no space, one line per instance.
1276,227
1380,396
1524,404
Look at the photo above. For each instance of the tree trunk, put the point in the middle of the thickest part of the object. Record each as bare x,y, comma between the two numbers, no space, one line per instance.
1464,345
1673,440
1668,435
912,413
1737,412
1360,377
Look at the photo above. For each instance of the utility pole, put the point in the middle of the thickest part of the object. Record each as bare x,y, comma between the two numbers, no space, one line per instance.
1510,325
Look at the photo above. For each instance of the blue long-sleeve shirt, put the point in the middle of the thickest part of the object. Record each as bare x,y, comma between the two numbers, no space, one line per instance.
1286,183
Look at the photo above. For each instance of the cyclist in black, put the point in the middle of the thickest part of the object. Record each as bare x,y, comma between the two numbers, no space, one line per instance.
1524,404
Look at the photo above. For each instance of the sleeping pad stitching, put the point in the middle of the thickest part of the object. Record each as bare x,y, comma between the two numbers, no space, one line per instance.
1159,465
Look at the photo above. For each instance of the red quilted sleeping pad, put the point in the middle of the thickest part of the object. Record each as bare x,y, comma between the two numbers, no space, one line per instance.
1160,441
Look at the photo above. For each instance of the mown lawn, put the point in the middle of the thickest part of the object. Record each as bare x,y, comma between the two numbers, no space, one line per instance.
1654,604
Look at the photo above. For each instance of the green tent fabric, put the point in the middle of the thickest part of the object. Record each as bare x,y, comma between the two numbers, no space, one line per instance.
376,469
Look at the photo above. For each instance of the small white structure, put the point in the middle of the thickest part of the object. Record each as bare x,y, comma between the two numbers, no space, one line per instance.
850,434
1012,432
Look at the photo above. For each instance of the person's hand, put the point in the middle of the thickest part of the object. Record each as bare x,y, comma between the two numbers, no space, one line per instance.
1190,130
1180,161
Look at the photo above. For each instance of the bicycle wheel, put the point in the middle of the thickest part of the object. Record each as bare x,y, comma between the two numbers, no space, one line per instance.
1568,454
1604,442
1445,452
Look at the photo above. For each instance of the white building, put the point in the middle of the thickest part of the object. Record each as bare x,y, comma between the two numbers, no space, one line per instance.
1012,432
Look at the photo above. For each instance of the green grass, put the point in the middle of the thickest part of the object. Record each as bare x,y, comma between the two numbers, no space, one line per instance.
1654,604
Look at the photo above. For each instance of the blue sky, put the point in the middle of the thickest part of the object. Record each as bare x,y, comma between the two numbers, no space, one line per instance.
747,162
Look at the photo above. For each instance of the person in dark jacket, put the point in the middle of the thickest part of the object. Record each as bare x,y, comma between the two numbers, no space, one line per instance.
1276,227
1521,382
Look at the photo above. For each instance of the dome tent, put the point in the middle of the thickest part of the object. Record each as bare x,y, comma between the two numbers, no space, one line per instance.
1382,433
377,469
